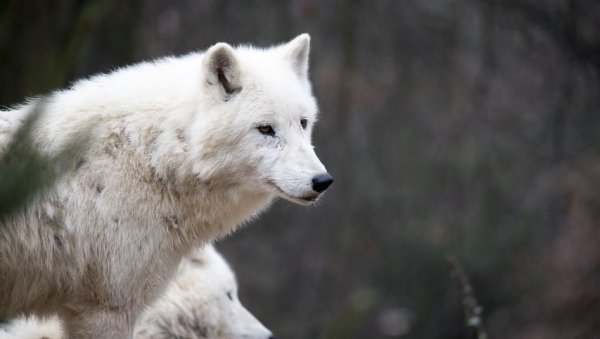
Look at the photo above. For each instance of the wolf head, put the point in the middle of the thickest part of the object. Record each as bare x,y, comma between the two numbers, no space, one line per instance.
201,302
257,121
207,282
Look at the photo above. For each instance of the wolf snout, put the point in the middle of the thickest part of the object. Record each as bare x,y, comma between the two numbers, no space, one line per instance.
321,182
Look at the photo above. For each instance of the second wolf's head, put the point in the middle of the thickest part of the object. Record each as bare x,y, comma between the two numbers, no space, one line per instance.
202,302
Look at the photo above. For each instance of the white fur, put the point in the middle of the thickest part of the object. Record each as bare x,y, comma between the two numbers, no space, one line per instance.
175,160
201,302
32,328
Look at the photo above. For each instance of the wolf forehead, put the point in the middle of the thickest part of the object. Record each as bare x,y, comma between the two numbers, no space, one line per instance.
274,79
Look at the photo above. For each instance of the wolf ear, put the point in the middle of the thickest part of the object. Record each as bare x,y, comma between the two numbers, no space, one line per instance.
222,68
296,51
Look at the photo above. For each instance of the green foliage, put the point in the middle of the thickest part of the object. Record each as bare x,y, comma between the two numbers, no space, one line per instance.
24,170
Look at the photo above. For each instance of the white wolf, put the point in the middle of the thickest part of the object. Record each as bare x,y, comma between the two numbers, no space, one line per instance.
201,302
182,151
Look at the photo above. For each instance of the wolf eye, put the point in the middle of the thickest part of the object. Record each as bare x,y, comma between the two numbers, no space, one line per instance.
229,295
266,130
303,122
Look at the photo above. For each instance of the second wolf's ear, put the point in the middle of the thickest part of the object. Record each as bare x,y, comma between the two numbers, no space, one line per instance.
222,68
297,51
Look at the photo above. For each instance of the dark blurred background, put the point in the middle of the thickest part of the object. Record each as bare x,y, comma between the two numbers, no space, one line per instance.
460,128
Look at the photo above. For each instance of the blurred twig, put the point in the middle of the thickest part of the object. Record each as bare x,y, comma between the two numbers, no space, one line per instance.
24,171
470,306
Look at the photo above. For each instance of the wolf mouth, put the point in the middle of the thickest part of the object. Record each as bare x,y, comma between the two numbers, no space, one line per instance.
311,198
305,200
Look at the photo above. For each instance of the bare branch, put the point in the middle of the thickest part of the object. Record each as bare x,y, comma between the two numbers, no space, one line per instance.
471,308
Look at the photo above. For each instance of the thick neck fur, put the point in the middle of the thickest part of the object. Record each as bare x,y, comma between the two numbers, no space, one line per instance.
127,144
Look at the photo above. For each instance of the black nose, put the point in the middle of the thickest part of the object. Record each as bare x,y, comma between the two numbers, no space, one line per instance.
321,182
